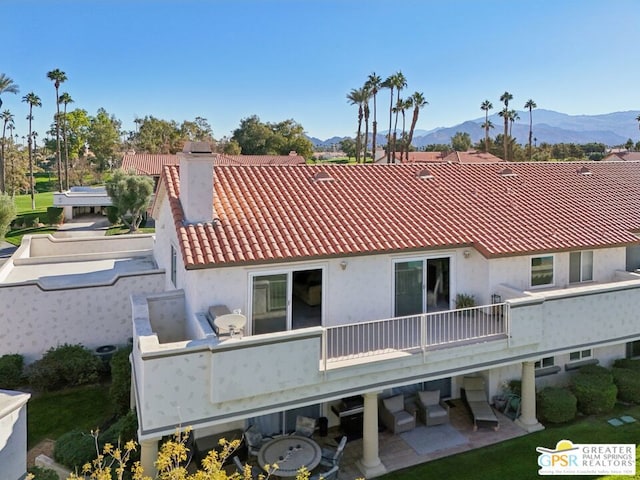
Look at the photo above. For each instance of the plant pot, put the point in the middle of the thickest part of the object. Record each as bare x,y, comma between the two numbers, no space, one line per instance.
499,402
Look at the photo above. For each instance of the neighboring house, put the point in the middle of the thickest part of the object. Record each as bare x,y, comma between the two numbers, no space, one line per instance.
13,434
623,156
471,156
151,164
82,200
347,277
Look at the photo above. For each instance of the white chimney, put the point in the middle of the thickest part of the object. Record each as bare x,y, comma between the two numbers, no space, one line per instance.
196,182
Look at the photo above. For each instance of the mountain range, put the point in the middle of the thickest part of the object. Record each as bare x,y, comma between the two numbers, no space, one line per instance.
548,126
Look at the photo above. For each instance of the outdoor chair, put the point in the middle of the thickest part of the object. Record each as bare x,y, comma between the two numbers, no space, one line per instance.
305,426
432,410
254,440
474,396
395,417
331,474
331,457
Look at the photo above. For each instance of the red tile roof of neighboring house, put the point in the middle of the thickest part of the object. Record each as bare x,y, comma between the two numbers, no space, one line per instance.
623,156
281,213
471,156
151,164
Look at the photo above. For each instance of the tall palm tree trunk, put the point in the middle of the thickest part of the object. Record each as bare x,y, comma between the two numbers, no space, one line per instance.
66,147
2,160
366,130
59,160
486,131
390,120
375,129
31,183
530,131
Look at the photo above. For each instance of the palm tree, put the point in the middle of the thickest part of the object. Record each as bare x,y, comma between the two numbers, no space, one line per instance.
530,105
418,101
390,84
373,84
58,77
486,126
513,116
505,97
401,82
367,96
486,106
357,96
65,99
7,119
34,101
638,120
405,105
7,85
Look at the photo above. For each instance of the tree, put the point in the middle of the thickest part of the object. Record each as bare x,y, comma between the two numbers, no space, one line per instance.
130,194
7,119
530,105
513,116
488,124
637,119
398,81
197,131
367,94
485,107
155,135
58,77
103,138
7,85
65,99
348,146
419,103
373,84
461,141
357,96
34,101
257,138
505,97
7,213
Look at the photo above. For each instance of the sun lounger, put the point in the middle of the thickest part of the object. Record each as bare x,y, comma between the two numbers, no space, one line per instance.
475,397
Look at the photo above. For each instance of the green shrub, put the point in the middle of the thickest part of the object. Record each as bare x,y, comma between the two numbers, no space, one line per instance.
597,370
557,405
464,300
31,220
628,363
11,371
628,383
55,215
63,366
595,393
40,473
113,215
120,390
76,448
7,213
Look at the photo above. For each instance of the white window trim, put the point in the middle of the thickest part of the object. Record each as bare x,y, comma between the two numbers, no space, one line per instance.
547,285
581,279
582,357
173,265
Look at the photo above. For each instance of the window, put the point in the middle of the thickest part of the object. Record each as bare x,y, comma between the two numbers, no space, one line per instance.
173,266
580,355
545,362
580,267
542,271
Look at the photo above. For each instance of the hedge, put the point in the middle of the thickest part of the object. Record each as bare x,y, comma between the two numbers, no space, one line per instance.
628,383
64,366
595,392
120,390
557,405
55,215
11,367
628,363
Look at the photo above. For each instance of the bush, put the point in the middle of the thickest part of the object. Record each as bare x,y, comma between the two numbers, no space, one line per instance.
597,370
595,393
63,366
40,473
55,215
7,213
120,390
628,383
628,363
75,448
31,220
113,215
557,405
11,371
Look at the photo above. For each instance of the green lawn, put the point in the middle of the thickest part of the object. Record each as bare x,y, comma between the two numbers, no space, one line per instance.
49,415
124,230
43,200
518,458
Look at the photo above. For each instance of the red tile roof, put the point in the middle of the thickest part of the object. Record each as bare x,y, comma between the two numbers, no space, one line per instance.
281,213
471,156
151,164
623,156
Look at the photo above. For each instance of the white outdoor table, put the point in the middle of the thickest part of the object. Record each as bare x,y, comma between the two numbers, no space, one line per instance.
230,323
290,453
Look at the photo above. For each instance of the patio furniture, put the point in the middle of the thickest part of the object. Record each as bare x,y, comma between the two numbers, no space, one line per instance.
432,410
254,440
331,457
395,417
290,453
474,396
331,474
305,426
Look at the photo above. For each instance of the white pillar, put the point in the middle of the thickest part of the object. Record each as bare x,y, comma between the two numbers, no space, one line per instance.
370,464
148,457
527,419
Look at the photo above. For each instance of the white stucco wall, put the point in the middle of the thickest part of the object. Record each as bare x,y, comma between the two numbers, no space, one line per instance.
13,434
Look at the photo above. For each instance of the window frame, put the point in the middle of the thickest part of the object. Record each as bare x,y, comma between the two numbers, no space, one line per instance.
174,266
542,363
585,354
580,266
553,270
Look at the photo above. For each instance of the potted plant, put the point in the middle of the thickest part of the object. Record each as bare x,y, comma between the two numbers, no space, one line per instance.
464,300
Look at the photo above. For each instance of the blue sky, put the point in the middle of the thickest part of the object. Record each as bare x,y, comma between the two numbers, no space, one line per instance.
227,60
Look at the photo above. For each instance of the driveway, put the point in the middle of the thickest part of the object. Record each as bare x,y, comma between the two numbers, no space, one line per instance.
83,226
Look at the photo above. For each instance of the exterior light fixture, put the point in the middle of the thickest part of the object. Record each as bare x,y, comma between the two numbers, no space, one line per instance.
343,264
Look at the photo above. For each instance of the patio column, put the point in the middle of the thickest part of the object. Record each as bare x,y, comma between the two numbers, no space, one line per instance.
370,464
527,419
148,456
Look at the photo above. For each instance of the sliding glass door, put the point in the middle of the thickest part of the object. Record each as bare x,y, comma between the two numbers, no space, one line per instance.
421,285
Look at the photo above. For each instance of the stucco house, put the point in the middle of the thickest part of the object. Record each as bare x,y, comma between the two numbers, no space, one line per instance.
347,277
470,156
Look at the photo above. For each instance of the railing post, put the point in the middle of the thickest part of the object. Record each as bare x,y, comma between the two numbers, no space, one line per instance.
423,335
324,349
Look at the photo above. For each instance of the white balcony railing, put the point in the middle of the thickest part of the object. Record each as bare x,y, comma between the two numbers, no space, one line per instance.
415,332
